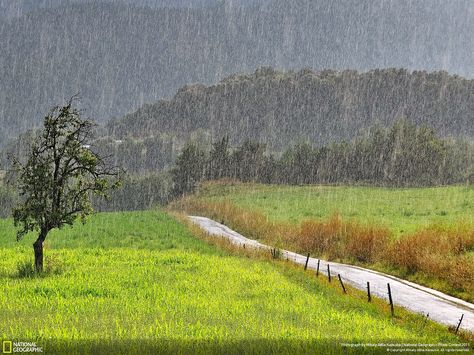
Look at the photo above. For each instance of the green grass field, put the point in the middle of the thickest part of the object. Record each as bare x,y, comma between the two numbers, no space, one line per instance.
401,210
140,282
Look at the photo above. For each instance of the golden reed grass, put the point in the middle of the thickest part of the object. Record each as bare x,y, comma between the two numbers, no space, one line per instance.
438,252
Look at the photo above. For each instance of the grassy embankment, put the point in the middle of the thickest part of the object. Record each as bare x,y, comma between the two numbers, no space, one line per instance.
425,235
142,282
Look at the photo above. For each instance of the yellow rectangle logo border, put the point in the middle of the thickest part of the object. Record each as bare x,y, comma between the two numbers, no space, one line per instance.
7,344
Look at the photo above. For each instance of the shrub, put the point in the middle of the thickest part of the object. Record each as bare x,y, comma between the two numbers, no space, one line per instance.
439,253
338,239
461,273
366,243
25,269
53,265
326,238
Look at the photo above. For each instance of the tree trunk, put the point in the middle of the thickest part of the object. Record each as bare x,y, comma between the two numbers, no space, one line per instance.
38,248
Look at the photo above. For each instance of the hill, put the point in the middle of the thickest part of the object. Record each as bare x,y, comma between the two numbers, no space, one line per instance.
119,56
280,108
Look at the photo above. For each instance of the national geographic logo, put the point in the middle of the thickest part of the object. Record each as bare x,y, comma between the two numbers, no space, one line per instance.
9,347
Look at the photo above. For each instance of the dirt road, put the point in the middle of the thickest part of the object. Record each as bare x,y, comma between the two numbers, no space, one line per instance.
440,307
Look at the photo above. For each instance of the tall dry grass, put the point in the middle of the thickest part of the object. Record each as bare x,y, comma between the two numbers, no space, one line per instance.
252,224
333,238
437,252
338,239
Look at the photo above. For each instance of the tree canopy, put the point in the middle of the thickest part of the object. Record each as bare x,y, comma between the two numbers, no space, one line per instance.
59,176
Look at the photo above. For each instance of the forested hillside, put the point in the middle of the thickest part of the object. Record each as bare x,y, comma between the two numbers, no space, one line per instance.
120,55
281,108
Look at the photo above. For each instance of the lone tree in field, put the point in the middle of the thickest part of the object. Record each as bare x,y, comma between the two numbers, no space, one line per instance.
60,175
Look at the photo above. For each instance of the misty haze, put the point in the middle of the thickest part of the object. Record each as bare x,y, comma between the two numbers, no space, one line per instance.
236,176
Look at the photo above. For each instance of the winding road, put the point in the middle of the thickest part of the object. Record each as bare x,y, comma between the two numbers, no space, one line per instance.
441,308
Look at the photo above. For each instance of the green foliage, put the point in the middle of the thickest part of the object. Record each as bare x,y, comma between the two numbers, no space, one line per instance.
26,268
189,169
137,193
403,155
219,160
59,175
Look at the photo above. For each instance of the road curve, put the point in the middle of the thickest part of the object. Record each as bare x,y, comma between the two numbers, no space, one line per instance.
441,308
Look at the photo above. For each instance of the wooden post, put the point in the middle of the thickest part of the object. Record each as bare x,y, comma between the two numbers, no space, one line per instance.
368,292
306,264
426,319
329,274
317,269
459,324
342,285
390,299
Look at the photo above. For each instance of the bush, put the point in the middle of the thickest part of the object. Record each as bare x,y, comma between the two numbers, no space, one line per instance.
366,243
338,239
321,237
25,269
52,266
439,253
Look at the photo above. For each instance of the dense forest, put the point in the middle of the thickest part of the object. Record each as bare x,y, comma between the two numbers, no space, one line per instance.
280,108
120,55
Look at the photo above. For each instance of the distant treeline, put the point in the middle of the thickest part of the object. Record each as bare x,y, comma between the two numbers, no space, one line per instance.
403,155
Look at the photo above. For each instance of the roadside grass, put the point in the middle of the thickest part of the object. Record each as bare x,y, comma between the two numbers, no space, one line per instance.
141,282
438,255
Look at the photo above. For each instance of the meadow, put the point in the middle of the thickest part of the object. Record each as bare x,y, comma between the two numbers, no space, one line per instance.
142,282
402,210
423,235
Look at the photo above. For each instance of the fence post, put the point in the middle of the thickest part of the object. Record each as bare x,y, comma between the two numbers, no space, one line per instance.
317,269
329,274
426,319
340,280
368,292
306,264
390,299
459,324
